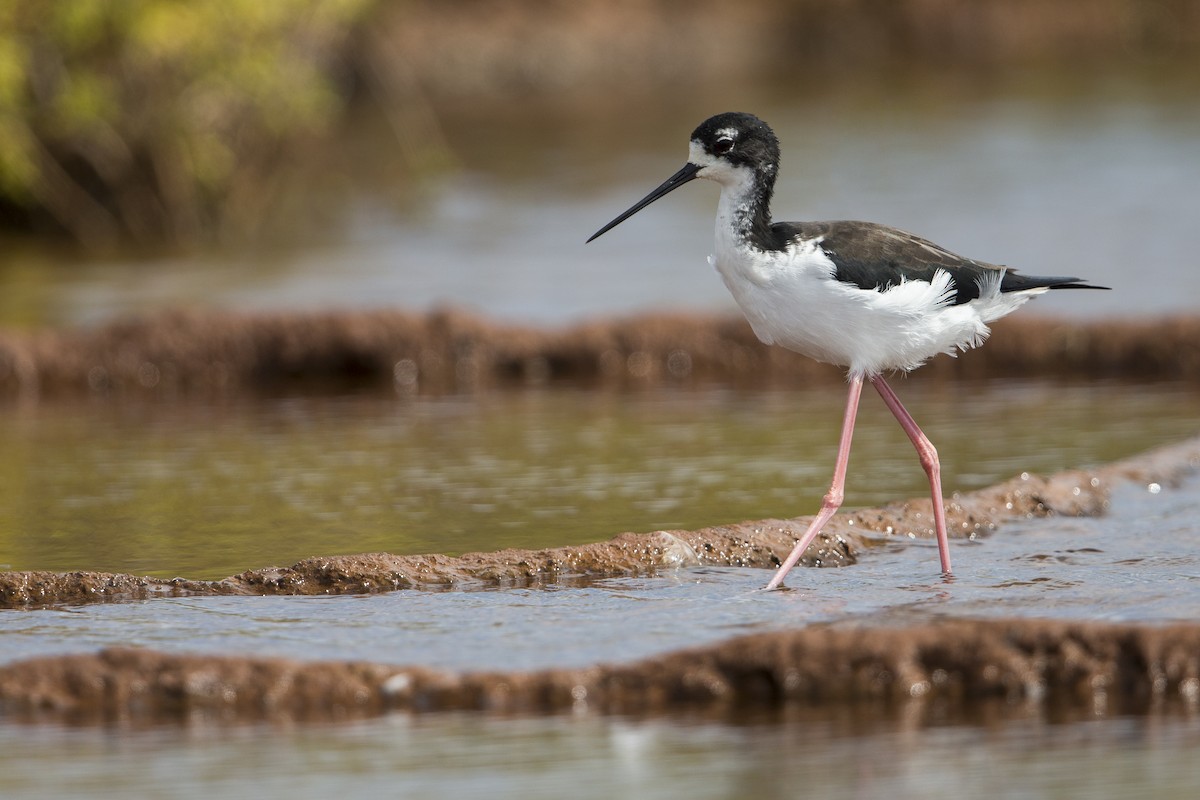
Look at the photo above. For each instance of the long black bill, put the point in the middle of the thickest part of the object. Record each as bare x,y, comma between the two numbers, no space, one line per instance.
669,185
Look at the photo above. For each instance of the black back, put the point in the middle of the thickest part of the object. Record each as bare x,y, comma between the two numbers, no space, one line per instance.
873,256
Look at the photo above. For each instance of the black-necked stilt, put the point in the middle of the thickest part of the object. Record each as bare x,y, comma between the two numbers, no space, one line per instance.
867,297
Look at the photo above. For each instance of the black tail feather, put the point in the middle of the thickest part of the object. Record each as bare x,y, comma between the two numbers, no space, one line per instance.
1074,284
1016,282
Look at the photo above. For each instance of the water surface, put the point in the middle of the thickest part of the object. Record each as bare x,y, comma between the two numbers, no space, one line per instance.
206,490
1141,563
465,756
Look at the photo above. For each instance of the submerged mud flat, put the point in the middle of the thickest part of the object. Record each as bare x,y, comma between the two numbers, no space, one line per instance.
936,668
194,353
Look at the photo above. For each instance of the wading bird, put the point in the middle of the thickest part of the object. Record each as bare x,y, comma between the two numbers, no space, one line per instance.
863,296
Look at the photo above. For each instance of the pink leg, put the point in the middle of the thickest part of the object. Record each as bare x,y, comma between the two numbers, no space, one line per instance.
833,500
929,461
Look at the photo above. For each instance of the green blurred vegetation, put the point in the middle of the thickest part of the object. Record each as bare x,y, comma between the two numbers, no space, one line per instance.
153,120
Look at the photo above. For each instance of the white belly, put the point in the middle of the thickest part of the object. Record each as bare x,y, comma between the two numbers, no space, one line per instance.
791,299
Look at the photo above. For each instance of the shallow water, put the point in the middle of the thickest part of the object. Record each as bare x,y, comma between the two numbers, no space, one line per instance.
206,491
1141,563
468,756
193,487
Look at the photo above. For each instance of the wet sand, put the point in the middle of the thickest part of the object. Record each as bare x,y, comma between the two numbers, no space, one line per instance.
203,354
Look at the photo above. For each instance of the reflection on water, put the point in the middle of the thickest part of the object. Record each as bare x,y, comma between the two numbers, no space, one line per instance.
467,756
210,490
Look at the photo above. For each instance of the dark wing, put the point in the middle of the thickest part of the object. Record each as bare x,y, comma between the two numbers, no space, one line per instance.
872,256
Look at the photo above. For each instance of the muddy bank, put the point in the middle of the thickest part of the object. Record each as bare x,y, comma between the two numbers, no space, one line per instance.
957,670
204,354
763,544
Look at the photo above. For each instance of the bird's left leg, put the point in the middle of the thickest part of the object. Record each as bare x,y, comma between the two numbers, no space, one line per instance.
929,462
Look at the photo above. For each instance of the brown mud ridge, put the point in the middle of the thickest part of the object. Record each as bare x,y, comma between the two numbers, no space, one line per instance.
180,354
760,544
952,670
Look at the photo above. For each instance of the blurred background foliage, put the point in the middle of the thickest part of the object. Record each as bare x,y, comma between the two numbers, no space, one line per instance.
175,122
151,120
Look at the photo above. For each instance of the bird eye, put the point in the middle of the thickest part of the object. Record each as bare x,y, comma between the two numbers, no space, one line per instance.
722,145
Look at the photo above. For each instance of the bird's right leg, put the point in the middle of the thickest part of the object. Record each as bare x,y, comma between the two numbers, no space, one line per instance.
837,489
